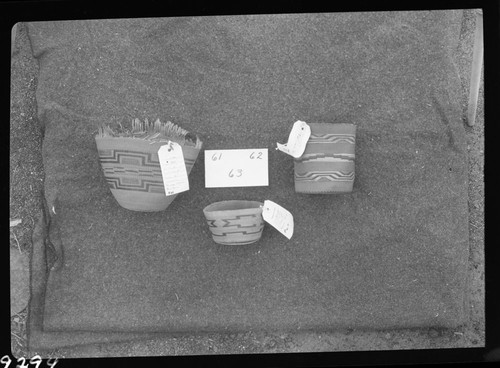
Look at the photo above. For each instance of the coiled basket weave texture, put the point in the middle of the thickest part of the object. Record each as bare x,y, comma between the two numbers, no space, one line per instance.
327,164
235,222
131,165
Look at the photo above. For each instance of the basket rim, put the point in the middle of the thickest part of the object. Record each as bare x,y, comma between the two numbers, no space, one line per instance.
229,207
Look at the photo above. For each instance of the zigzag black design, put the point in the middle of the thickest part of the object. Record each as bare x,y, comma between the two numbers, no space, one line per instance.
332,139
240,232
113,170
335,173
144,185
146,159
227,223
332,176
314,156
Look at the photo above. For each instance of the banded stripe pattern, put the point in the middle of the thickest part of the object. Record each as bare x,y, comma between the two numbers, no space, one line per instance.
136,171
235,222
327,165
325,157
248,228
332,138
325,175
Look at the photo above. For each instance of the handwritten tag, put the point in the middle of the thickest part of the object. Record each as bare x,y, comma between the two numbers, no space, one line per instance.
297,139
173,168
236,168
278,217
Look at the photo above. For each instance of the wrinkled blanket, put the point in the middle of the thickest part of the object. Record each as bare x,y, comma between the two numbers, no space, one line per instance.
391,254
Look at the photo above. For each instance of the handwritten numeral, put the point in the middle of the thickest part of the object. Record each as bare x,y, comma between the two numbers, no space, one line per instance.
52,362
37,359
23,364
216,156
6,361
235,173
256,155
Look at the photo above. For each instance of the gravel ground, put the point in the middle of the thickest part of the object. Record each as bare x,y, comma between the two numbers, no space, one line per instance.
26,179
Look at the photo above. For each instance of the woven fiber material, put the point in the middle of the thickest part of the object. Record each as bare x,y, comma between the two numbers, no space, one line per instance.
132,170
390,254
235,222
327,164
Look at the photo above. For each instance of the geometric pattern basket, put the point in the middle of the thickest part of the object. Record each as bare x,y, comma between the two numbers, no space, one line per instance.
327,164
235,222
132,169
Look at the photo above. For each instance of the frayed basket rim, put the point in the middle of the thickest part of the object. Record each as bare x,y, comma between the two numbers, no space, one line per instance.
153,132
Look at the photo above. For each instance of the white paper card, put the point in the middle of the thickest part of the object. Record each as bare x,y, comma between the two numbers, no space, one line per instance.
297,139
173,168
278,217
236,168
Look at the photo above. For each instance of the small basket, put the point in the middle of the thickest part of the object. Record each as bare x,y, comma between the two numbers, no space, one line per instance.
235,222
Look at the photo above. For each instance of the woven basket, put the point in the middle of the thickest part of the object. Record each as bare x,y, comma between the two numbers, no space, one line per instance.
235,222
327,164
132,169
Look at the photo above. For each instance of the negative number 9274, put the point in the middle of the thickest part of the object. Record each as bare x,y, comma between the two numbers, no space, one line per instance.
22,363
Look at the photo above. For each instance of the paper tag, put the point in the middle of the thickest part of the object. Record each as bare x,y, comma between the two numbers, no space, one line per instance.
278,217
297,139
173,168
236,168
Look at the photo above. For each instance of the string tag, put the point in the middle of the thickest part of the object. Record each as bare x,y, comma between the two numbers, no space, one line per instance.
297,140
173,168
278,217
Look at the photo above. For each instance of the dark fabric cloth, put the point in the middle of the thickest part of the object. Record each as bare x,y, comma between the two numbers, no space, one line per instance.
37,337
391,254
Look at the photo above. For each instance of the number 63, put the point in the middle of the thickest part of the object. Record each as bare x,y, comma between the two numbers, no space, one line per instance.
235,173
